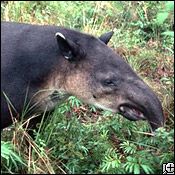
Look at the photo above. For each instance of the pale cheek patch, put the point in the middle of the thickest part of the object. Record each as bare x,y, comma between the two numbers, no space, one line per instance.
47,96
77,85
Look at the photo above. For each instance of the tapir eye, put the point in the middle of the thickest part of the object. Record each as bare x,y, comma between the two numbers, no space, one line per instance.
109,82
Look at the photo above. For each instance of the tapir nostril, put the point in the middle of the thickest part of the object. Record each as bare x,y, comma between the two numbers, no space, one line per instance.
94,96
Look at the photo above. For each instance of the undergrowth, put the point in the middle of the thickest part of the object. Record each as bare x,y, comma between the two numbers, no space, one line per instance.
79,138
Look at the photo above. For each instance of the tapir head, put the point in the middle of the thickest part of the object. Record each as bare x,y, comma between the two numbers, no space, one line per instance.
98,76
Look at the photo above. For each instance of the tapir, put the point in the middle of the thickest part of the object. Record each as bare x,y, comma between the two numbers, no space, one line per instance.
42,65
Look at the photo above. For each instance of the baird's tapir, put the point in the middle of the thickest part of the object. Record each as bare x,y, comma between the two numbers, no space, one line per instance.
43,65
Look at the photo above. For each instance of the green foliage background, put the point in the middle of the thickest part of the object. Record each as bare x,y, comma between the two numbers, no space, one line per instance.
77,138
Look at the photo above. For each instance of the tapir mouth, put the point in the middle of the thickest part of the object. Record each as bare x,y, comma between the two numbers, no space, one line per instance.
132,112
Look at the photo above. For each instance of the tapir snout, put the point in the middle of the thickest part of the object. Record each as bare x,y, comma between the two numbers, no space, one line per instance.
141,103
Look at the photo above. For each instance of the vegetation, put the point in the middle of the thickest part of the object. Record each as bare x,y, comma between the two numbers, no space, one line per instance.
79,138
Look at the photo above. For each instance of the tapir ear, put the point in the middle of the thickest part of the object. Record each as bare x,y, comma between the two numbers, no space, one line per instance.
106,37
67,47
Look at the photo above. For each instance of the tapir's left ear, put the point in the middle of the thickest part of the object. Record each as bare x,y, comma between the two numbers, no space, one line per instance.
106,37
67,47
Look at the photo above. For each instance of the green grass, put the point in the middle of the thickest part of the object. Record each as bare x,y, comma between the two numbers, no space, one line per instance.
77,138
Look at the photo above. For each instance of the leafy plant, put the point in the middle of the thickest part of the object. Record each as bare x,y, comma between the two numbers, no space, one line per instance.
77,138
12,159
